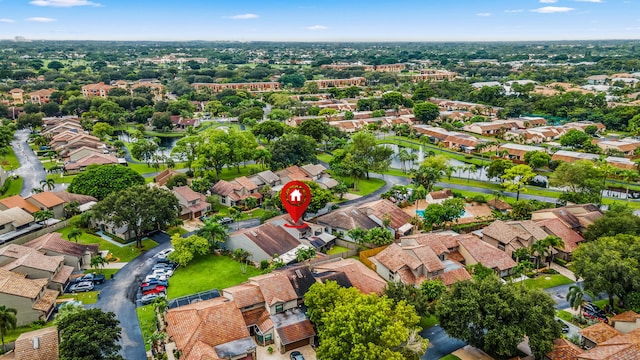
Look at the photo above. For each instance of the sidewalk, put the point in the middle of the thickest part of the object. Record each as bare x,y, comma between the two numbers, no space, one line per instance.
564,271
115,265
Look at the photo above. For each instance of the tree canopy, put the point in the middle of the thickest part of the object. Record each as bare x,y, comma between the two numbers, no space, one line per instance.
140,208
101,180
89,334
582,179
356,326
619,219
497,317
292,149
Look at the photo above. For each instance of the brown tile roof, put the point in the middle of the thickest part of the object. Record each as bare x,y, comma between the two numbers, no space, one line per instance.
62,276
15,216
394,258
408,277
47,199
264,321
186,193
162,177
69,197
632,337
246,183
92,159
486,254
296,332
251,316
26,256
504,233
347,218
245,295
441,194
453,276
360,276
270,238
627,316
558,228
428,258
564,349
499,204
54,242
275,288
530,227
612,352
47,345
440,243
17,284
18,201
46,301
386,209
213,322
599,333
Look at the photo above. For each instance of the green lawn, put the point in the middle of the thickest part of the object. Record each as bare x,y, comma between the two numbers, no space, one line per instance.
124,254
366,187
10,161
545,281
147,319
145,169
428,321
89,297
14,188
106,272
450,357
12,335
324,157
564,315
337,250
230,174
206,273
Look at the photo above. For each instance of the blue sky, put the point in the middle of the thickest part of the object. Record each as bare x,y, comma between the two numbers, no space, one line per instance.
332,20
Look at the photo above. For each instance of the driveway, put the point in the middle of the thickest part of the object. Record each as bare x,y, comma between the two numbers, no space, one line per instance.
118,296
440,344
31,170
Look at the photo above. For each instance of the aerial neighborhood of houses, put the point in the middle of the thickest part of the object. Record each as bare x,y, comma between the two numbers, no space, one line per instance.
159,186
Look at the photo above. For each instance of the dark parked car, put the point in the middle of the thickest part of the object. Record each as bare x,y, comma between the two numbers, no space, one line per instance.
154,282
94,278
296,355
564,326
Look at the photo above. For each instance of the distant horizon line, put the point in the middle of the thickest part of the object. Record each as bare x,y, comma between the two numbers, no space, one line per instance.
25,39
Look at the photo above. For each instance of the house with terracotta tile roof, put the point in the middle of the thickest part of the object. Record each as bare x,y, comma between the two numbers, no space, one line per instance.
17,201
40,97
512,235
384,210
517,151
80,153
577,217
340,221
234,192
477,251
626,322
353,273
193,204
210,329
99,89
162,178
266,177
36,265
41,344
570,238
47,200
438,197
597,334
78,256
563,349
31,297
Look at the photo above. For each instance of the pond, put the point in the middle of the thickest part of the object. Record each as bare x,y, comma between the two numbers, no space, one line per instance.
165,146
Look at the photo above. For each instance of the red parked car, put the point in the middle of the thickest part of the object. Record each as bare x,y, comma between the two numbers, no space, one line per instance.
154,290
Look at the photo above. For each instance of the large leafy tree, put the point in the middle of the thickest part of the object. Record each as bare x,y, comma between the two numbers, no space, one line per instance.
292,149
378,236
186,249
431,171
498,167
100,181
497,317
140,208
582,179
364,150
90,334
516,179
144,149
609,265
426,111
356,326
214,232
620,219
269,129
574,138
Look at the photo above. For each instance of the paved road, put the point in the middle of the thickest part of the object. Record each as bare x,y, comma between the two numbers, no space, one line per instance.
118,296
31,170
440,344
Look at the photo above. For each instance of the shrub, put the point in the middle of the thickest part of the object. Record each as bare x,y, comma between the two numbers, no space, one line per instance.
560,261
264,264
549,271
480,199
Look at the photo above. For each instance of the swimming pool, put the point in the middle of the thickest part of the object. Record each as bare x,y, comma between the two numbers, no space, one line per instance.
465,214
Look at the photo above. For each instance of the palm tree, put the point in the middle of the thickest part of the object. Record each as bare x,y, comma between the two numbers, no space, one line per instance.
72,209
539,248
251,202
470,169
48,183
522,268
403,157
36,190
97,262
156,339
214,232
522,254
628,176
419,193
74,234
553,242
358,234
8,321
242,256
236,215
575,296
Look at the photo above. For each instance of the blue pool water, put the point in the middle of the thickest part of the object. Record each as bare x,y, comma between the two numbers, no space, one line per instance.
466,214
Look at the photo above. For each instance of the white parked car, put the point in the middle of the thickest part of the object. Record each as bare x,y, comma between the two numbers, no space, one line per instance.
81,286
165,272
164,253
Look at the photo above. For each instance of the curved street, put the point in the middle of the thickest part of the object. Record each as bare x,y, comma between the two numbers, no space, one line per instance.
31,170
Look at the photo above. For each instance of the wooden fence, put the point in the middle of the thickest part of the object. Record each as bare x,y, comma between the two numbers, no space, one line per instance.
366,254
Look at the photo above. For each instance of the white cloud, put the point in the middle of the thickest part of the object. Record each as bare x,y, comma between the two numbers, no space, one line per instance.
548,1
63,3
244,16
513,11
552,9
7,21
483,14
39,19
316,27
591,1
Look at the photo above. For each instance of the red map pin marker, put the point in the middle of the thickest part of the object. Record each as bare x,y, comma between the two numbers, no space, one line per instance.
295,196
